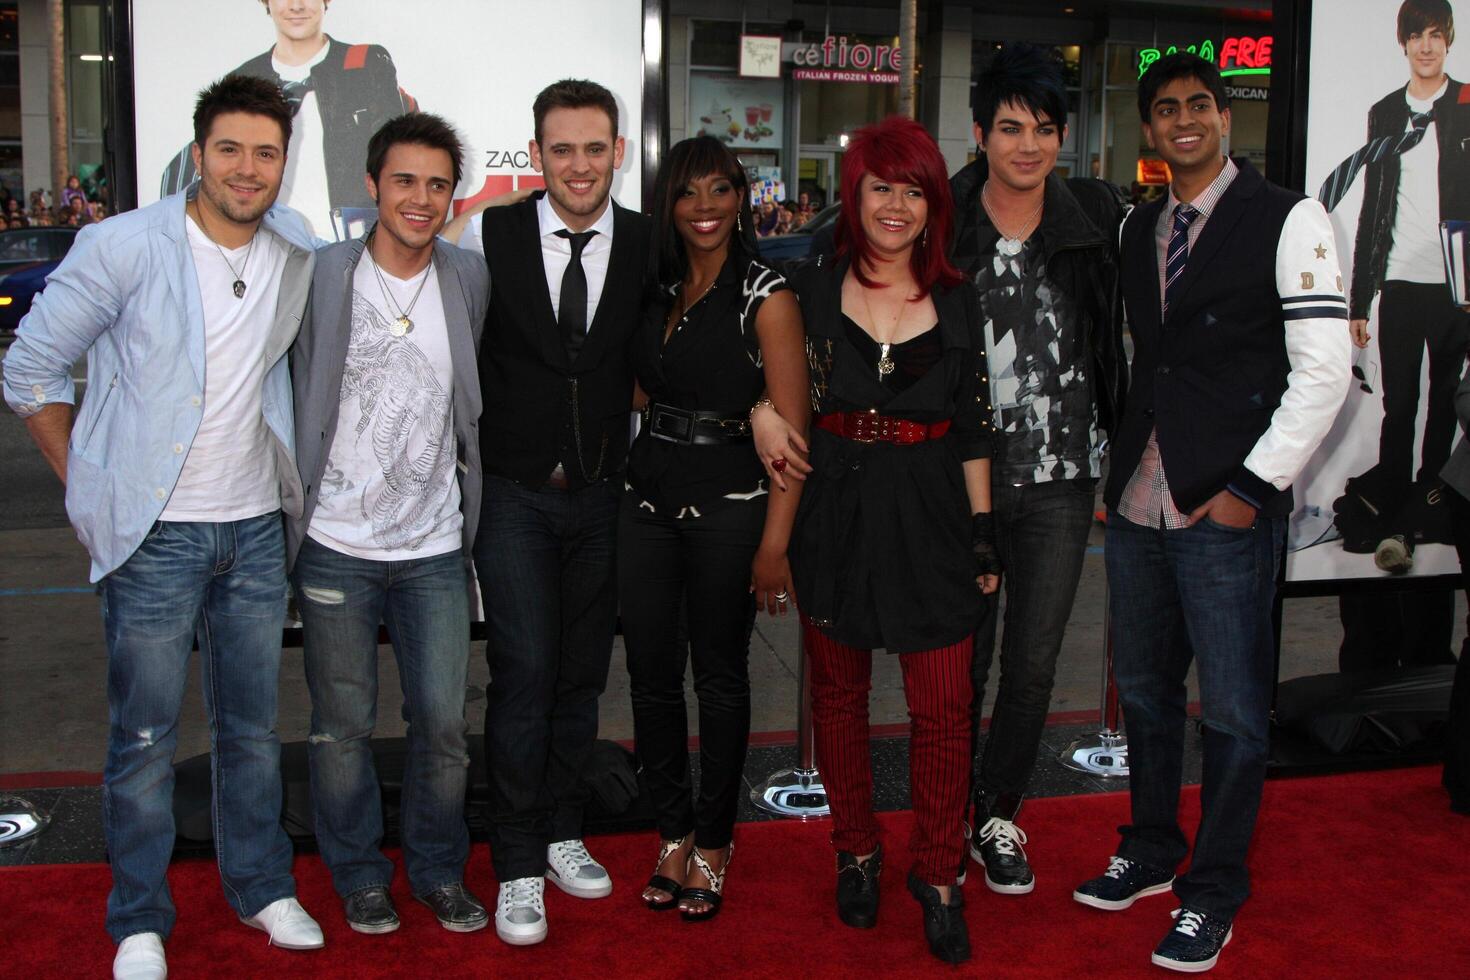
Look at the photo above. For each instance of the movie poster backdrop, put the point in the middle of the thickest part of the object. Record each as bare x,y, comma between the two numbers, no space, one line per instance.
1356,62
478,63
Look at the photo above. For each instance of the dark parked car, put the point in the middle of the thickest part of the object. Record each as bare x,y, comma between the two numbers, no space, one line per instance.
27,257
798,244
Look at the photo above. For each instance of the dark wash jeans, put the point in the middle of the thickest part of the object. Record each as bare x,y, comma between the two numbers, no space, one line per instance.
1413,316
1203,593
424,602
1041,533
545,563
226,585
702,565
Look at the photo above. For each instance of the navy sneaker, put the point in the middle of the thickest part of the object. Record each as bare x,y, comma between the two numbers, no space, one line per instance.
1194,944
1124,883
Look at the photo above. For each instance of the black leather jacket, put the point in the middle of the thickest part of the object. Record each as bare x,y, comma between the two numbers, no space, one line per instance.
1388,116
1079,226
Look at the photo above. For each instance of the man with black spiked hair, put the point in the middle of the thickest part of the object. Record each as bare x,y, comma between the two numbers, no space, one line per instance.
1041,253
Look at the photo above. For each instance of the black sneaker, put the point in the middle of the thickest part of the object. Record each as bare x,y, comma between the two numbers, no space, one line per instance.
455,908
1194,944
1124,883
998,850
370,911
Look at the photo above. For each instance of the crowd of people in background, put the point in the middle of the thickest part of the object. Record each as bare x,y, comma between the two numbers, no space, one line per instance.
773,218
74,207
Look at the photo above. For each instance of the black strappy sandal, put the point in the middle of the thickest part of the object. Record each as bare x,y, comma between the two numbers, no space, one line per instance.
711,896
662,883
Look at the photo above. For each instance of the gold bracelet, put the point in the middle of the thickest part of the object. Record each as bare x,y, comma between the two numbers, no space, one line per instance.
763,401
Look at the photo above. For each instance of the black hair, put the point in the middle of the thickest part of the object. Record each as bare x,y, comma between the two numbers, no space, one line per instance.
241,93
420,129
1171,68
1418,16
1024,75
574,93
687,161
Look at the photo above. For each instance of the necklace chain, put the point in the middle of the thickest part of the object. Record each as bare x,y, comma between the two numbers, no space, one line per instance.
1020,234
403,322
238,286
885,360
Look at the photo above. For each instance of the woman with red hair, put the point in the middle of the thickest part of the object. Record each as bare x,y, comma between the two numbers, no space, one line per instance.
893,545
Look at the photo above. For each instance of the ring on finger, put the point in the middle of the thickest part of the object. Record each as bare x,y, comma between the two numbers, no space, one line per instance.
781,597
779,464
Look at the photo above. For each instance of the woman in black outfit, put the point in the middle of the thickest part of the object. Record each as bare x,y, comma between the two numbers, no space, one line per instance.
893,545
698,530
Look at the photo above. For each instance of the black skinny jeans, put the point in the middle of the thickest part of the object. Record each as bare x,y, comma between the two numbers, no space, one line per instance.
1411,317
702,566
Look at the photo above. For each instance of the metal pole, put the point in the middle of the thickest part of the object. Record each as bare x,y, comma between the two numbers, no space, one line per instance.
1106,752
908,31
797,793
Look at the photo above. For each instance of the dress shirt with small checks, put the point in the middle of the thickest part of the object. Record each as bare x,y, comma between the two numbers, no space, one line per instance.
1146,499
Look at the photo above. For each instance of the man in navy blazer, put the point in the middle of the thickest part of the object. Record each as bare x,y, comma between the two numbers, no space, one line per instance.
387,413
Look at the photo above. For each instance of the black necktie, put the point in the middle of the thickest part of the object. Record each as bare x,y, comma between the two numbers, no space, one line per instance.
1338,182
571,309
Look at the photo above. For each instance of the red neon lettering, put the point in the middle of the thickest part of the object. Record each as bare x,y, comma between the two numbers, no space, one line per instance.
1248,52
1263,52
1230,49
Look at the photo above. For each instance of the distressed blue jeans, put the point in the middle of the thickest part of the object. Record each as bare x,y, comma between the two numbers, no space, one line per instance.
1202,593
226,585
424,602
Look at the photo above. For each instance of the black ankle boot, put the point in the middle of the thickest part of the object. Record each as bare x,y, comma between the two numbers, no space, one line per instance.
857,889
944,925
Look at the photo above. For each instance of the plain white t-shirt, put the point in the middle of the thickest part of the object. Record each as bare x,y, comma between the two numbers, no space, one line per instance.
304,185
1416,255
230,472
389,491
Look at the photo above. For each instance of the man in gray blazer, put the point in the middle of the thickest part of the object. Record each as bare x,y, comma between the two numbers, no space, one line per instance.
387,412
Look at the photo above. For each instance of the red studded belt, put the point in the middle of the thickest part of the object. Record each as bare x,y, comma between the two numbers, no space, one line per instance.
869,426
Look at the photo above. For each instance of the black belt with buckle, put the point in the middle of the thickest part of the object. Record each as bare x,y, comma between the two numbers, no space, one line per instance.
691,428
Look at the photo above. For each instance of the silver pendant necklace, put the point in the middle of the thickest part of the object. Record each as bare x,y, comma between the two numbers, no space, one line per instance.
1009,245
402,323
238,286
885,355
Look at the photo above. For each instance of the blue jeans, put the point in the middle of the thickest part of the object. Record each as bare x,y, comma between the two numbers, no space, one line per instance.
1203,593
1041,534
226,585
424,602
545,562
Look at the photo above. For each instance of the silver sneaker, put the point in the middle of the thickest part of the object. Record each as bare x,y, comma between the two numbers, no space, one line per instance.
520,912
570,868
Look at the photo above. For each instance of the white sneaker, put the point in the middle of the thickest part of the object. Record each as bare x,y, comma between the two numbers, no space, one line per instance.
570,868
140,957
287,924
520,912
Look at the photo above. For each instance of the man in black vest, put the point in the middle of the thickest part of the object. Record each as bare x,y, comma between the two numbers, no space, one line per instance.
566,270
1241,362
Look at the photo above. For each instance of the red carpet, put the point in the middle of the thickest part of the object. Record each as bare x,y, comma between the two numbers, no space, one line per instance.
1363,875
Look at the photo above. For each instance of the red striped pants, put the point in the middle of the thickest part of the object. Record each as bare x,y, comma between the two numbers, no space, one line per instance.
936,684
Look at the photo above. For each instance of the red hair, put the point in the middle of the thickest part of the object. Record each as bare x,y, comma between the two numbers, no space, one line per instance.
898,149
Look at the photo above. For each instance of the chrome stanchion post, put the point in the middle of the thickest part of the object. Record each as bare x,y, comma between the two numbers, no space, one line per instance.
797,793
21,821
1106,752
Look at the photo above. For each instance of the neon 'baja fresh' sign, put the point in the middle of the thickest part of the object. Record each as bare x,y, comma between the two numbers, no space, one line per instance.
1238,55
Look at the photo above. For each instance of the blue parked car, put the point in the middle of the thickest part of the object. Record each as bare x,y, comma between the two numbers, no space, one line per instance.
798,244
27,257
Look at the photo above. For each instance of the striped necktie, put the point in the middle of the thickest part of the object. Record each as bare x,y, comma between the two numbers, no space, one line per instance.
1338,182
1177,256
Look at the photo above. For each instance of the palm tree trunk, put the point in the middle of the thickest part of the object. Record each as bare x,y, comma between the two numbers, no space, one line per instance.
60,145
908,30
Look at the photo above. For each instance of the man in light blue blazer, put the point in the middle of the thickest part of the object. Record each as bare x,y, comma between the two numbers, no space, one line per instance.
387,436
177,470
